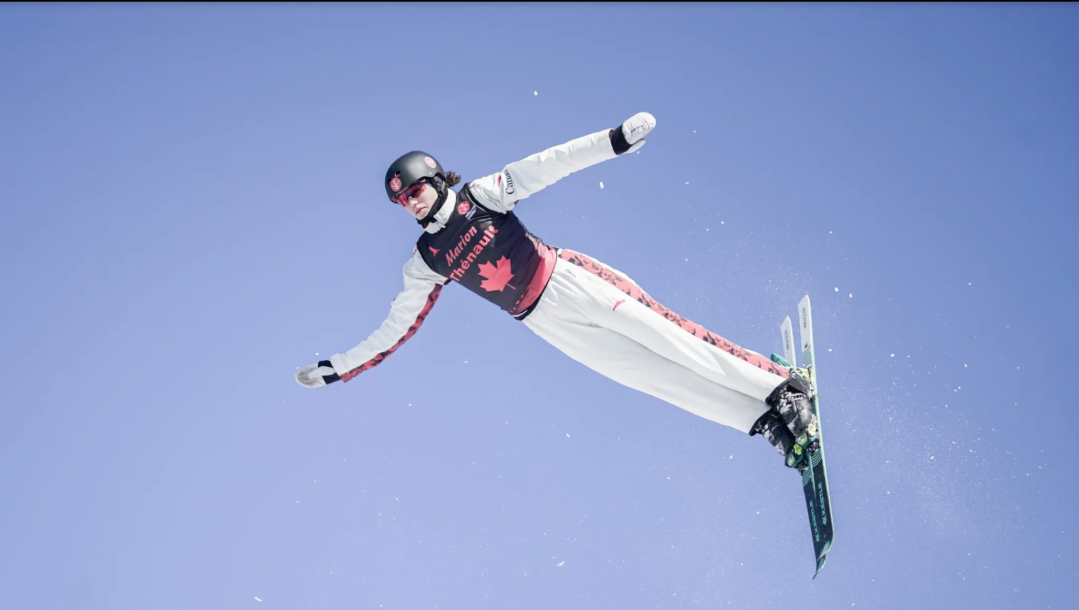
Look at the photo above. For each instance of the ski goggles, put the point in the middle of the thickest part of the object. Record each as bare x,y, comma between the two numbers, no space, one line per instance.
411,192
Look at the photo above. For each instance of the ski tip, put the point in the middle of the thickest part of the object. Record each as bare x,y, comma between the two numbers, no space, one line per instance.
820,566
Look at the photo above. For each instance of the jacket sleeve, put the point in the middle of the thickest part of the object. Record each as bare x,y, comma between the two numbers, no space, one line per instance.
407,313
500,192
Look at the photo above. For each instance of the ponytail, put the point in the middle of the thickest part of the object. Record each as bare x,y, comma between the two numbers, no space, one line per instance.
452,179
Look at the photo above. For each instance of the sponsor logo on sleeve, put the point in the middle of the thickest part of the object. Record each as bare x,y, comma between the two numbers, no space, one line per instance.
463,208
509,181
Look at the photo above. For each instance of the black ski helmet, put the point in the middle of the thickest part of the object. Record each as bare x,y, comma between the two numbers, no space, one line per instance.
410,169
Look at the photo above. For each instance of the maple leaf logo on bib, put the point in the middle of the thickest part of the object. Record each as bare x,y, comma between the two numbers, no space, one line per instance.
498,275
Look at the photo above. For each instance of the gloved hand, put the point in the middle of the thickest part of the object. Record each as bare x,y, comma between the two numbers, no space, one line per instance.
317,375
629,137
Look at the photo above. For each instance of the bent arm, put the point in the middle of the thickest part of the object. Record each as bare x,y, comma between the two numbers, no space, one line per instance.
422,287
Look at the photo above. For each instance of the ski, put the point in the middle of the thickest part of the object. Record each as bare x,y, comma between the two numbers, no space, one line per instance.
815,476
788,342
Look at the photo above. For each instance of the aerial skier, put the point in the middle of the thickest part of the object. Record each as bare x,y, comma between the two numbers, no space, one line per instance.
593,313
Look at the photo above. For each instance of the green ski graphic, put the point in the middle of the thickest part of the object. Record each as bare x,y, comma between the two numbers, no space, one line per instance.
815,476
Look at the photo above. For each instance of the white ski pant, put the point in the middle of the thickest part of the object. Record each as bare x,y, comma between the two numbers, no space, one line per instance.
599,317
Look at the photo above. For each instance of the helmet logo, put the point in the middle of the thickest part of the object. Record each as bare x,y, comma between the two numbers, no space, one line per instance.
395,184
463,208
430,162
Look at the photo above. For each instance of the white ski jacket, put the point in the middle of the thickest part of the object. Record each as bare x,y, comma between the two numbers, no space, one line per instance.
497,192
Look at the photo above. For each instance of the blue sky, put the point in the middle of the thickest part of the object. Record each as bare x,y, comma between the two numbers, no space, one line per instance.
193,209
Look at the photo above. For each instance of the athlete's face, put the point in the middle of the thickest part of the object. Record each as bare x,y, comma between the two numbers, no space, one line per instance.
418,199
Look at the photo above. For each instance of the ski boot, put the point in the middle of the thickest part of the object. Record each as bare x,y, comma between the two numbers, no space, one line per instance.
790,424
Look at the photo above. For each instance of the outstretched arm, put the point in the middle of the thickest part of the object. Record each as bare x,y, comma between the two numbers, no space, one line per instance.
422,287
501,192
